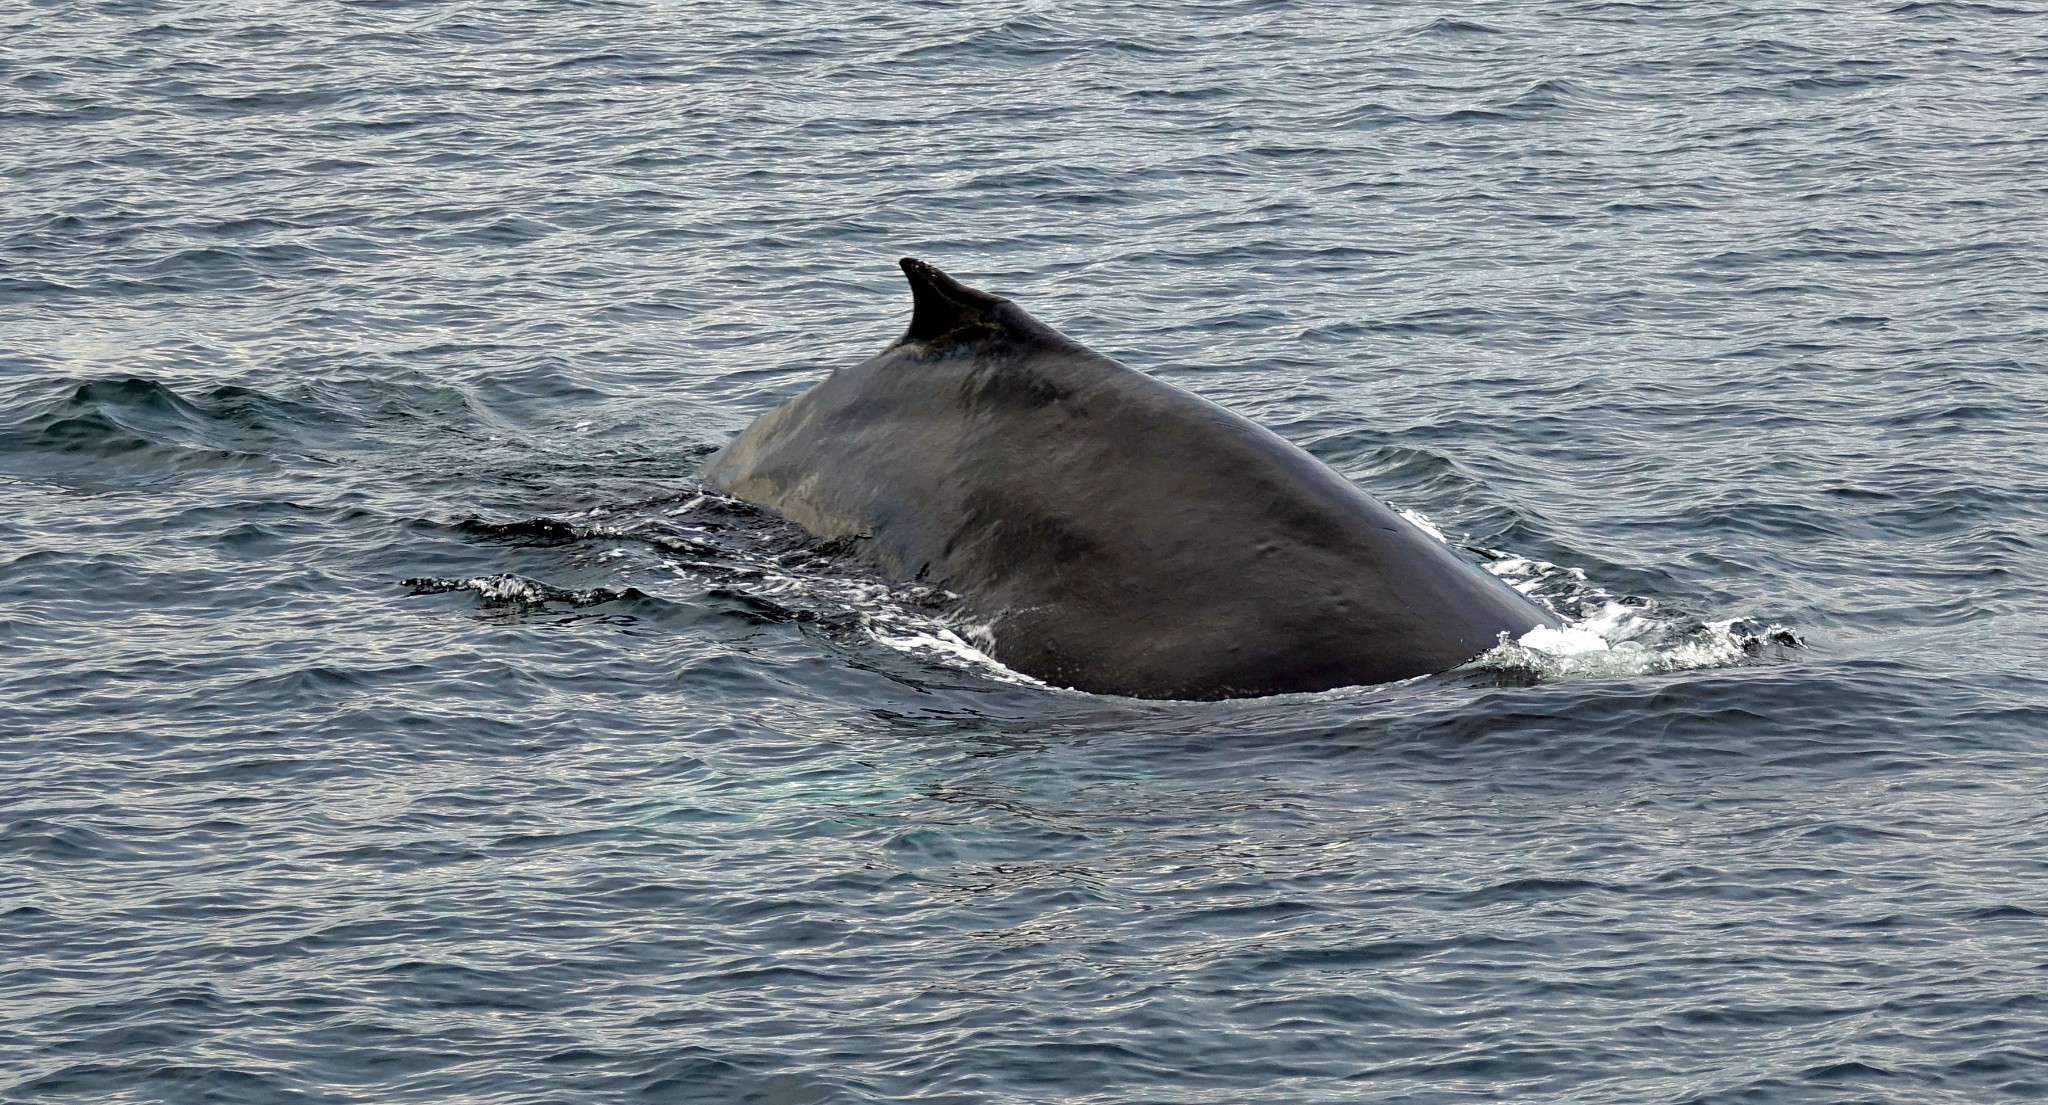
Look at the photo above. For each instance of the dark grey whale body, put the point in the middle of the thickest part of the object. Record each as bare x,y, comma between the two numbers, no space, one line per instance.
1115,533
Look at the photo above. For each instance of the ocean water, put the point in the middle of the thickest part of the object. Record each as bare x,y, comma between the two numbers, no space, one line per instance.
386,717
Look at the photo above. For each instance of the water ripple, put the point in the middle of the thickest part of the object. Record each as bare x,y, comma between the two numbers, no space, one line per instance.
390,718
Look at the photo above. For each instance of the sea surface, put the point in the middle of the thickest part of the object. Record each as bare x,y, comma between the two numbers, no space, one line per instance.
386,716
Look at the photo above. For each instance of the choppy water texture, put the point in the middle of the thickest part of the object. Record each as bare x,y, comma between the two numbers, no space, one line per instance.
385,718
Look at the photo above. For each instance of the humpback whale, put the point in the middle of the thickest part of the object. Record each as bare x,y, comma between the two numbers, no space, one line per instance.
1113,533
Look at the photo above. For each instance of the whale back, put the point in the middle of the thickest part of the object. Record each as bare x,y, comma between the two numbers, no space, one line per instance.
1112,532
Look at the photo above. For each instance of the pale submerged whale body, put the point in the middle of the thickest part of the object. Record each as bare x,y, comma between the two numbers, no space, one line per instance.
1113,533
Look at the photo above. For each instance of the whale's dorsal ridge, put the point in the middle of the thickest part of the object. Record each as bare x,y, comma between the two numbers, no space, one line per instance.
941,305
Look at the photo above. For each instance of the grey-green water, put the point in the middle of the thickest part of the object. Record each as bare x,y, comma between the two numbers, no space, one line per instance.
376,724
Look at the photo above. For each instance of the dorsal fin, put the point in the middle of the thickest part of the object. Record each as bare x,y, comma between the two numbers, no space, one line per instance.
940,304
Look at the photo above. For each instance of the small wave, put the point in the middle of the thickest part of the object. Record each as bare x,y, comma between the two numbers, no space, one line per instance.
1545,99
1416,519
1608,635
939,639
534,532
1952,8
780,562
915,620
134,425
1605,634
517,592
116,426
1449,26
753,559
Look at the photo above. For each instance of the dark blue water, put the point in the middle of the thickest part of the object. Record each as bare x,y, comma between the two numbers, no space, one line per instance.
384,718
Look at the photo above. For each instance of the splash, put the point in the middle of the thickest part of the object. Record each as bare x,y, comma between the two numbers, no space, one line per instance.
517,592
1421,522
748,552
1605,634
784,575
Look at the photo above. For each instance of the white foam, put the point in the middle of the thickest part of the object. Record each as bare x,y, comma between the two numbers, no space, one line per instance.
944,644
1606,635
504,588
1569,640
1602,634
1422,523
913,619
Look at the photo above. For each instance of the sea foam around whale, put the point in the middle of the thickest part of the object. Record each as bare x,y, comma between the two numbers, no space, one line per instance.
754,560
1607,634
1603,634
